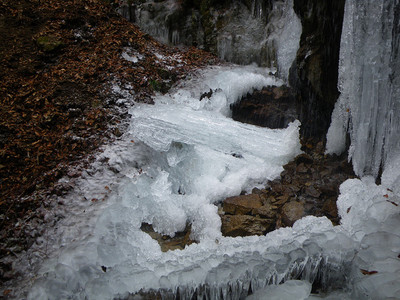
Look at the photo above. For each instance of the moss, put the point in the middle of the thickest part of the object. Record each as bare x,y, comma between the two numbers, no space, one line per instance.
48,43
155,85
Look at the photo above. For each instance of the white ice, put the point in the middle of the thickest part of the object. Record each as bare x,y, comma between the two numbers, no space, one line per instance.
369,81
179,158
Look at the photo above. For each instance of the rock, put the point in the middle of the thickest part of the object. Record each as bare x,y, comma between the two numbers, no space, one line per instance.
266,211
117,132
179,241
313,192
256,191
271,107
330,189
314,74
303,158
330,208
281,199
243,225
301,168
242,205
291,212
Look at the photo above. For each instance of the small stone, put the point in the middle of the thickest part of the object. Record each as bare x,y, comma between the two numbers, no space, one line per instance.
117,132
281,199
256,191
265,211
301,168
329,190
291,212
242,205
303,158
243,225
313,192
330,208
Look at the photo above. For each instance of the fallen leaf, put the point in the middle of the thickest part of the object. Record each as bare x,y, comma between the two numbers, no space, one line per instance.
366,272
348,210
386,196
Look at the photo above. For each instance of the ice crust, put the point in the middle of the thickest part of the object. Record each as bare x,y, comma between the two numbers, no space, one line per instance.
181,156
368,108
268,37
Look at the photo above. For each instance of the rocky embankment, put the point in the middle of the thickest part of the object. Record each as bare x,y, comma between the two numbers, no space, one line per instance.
309,185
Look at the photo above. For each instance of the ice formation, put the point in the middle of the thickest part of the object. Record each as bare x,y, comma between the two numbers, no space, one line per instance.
179,158
183,155
369,82
268,37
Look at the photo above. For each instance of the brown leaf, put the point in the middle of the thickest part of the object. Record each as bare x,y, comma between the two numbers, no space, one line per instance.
348,210
394,203
366,272
386,196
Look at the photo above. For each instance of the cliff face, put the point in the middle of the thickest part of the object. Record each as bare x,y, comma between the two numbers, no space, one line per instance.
314,74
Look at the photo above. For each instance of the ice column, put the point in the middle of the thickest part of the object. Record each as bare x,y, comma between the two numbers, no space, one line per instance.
368,108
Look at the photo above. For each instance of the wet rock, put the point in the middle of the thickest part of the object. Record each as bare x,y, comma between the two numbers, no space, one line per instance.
291,212
330,208
281,199
301,168
312,191
266,211
179,241
244,225
304,159
272,107
309,185
242,205
314,74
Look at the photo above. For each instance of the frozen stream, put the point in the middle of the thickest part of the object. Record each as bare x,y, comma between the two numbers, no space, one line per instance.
180,157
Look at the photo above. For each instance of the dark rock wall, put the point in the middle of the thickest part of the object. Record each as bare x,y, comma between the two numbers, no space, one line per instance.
314,74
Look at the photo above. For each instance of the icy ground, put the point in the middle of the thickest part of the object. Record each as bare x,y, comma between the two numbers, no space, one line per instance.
179,158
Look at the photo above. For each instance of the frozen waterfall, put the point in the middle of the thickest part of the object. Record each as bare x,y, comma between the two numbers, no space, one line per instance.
369,82
179,158
182,156
266,34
